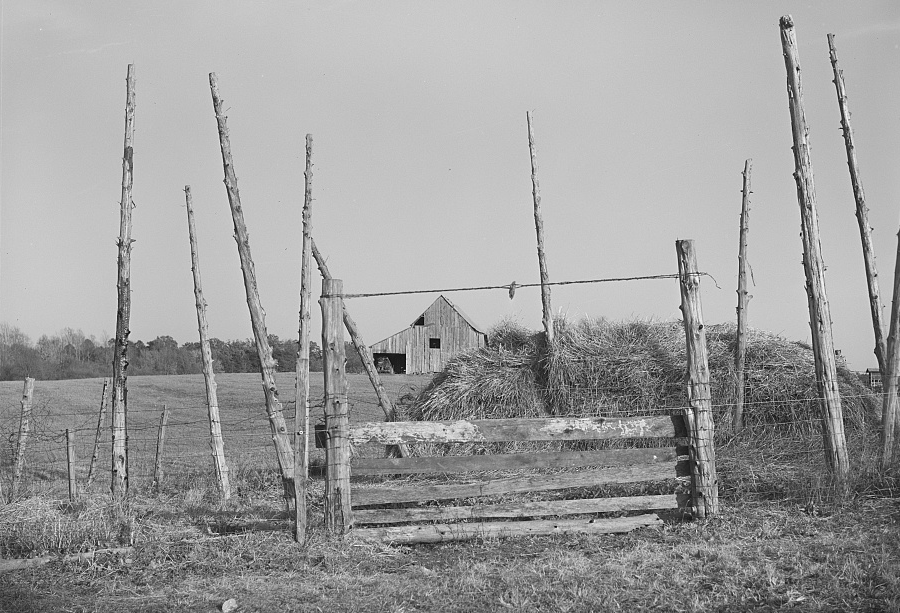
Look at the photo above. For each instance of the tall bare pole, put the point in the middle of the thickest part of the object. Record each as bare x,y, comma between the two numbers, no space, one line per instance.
209,376
301,404
104,395
740,351
267,363
119,484
539,228
890,399
705,490
819,311
862,211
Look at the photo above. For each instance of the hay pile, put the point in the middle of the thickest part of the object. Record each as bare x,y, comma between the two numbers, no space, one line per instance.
599,367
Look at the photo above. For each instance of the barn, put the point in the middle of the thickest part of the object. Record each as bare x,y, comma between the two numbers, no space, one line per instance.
426,346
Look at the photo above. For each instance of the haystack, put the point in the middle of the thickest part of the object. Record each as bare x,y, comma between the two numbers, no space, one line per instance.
600,367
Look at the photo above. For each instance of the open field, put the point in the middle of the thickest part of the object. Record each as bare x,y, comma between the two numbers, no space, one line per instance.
780,541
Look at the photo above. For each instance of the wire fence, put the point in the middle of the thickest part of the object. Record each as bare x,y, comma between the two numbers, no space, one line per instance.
771,459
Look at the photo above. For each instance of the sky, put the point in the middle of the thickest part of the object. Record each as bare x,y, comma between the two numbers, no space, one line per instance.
644,113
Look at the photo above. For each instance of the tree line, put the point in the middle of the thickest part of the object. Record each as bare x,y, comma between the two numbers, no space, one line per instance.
70,354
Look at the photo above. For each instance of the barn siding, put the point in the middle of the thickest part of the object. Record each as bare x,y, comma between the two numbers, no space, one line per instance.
442,320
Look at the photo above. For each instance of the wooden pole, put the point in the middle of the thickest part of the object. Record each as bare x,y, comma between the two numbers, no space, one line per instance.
160,443
209,376
24,430
301,404
338,518
890,377
819,311
705,490
104,397
70,465
539,228
119,484
284,453
740,351
391,411
862,211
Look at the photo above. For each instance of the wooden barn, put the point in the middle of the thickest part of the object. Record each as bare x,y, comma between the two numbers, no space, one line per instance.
426,346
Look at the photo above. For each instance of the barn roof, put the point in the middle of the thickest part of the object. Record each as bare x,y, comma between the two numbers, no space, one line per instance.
462,314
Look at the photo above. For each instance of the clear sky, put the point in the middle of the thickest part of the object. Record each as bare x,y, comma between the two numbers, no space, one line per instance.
644,114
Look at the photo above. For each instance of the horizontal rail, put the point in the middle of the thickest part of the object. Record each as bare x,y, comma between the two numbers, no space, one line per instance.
363,496
516,509
436,533
499,430
509,461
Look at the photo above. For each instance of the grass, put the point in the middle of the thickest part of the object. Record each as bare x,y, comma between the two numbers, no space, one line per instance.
777,543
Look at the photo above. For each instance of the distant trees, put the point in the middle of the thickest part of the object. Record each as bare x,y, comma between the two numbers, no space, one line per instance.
69,354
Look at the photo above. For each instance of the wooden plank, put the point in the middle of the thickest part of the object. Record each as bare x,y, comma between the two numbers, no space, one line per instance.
437,533
515,429
521,509
510,461
512,485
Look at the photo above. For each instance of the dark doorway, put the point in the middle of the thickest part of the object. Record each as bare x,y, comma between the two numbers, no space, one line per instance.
390,363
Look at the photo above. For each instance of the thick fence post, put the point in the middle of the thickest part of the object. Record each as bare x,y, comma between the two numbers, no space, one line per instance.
209,376
740,350
70,465
819,311
104,396
119,484
539,229
705,485
24,430
338,518
160,443
889,379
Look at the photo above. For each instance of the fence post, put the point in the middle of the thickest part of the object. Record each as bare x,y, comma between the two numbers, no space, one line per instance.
160,442
104,395
819,311
70,465
119,484
301,396
705,485
539,229
740,351
889,379
338,518
209,376
862,212
24,429
267,364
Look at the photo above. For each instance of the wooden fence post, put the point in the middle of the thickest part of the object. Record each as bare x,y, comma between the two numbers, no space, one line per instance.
705,484
740,351
539,229
284,453
889,379
119,484
391,412
24,430
160,443
338,518
862,212
301,401
70,465
209,376
819,311
104,397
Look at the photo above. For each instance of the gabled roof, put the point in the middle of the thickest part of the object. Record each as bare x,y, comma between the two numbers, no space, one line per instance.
468,319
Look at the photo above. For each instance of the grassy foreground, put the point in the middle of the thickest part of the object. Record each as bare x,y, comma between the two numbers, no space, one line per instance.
775,545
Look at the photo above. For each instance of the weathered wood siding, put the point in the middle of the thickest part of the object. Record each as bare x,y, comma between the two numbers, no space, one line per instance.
441,321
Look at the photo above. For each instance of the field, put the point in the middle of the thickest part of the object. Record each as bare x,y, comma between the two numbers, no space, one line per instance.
780,541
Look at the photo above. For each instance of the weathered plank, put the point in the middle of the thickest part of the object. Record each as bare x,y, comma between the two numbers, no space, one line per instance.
436,533
510,461
531,483
520,509
514,429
